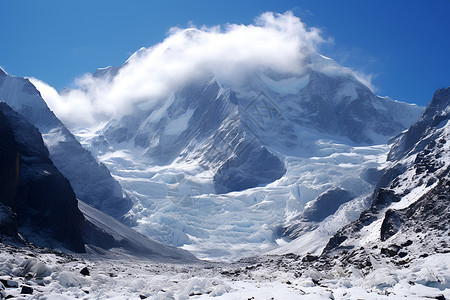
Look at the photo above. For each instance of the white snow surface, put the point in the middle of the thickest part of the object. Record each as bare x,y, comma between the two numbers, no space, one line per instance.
20,94
178,125
291,85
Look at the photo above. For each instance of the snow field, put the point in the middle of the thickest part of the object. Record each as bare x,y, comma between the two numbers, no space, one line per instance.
175,204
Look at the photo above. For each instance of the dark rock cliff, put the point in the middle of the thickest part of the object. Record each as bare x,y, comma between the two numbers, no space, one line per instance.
42,200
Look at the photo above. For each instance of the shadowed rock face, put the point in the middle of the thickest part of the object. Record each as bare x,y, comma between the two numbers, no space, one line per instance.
9,178
317,210
9,171
41,197
326,204
357,114
252,167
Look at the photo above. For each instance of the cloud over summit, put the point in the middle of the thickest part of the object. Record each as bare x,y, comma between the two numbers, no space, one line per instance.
277,42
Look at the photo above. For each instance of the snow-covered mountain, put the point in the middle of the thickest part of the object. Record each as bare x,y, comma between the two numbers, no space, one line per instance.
91,180
220,169
228,173
272,109
409,216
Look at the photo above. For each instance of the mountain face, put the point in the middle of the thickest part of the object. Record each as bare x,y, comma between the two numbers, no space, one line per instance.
211,153
90,180
409,216
208,115
39,201
335,104
236,134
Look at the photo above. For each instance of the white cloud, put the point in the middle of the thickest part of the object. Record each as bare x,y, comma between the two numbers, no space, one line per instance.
277,42
366,79
74,109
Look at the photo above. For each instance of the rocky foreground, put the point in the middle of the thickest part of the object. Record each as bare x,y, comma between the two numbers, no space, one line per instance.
38,273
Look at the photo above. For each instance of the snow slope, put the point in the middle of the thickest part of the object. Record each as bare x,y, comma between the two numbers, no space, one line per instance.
101,231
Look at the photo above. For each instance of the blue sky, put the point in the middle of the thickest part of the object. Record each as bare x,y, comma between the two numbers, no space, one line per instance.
404,45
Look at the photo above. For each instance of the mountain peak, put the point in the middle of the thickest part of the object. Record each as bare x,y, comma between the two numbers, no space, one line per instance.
436,112
439,104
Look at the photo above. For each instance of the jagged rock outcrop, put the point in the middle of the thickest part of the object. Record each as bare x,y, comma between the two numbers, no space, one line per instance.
421,134
410,212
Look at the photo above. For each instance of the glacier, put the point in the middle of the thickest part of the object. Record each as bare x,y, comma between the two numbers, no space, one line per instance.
223,170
